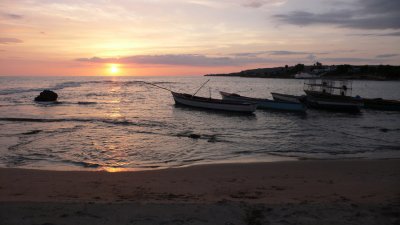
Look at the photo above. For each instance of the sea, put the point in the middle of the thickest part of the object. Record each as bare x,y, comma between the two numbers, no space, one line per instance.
122,123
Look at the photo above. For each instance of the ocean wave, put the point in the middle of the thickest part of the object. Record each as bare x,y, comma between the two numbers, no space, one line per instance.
212,138
54,88
97,94
82,164
316,152
63,103
78,103
45,104
32,132
130,82
21,160
71,84
143,123
86,103
18,91
66,85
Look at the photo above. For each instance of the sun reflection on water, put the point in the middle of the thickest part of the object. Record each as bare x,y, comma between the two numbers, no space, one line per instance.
115,170
115,110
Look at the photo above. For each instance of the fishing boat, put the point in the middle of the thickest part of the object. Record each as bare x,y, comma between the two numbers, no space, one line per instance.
381,104
333,105
215,104
266,103
328,91
331,95
209,103
287,98
324,95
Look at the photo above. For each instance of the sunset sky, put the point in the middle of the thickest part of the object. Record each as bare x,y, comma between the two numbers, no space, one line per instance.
192,37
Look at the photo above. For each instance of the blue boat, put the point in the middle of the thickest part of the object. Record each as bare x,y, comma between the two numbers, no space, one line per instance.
266,103
215,104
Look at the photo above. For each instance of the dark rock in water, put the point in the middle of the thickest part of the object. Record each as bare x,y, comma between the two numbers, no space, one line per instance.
212,139
194,136
32,132
384,130
47,96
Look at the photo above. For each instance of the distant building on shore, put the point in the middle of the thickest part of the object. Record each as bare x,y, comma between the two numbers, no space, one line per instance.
303,75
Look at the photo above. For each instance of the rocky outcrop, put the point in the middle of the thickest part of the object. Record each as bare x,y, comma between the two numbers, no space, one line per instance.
47,96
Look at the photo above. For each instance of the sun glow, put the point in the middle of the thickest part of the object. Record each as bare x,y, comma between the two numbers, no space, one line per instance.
114,69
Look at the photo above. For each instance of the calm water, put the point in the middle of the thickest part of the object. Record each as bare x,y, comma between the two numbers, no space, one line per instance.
121,123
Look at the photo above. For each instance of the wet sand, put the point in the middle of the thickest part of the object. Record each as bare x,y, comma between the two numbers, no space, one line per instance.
298,192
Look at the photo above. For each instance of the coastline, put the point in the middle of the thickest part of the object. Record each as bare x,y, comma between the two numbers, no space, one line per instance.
354,78
359,186
344,71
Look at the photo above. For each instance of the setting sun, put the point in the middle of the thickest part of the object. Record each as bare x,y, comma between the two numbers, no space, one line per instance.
114,69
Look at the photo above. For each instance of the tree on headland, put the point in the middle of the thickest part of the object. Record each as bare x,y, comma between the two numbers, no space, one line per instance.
343,69
376,72
298,68
318,64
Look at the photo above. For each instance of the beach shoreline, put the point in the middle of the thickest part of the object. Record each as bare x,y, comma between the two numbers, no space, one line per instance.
235,175
309,187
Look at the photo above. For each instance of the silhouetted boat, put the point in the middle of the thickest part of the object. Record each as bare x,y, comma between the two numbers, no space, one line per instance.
266,103
381,104
323,95
209,103
215,104
334,105
287,98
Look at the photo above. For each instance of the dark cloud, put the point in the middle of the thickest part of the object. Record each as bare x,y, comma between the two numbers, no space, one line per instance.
280,52
379,34
367,14
96,60
288,53
178,59
380,6
347,60
12,16
254,3
259,3
386,55
9,40
391,34
248,54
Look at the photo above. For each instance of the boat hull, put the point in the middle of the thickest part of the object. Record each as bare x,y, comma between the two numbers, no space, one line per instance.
326,101
342,98
382,104
286,98
266,103
214,104
333,105
286,106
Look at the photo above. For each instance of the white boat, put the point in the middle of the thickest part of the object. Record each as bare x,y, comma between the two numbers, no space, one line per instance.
215,104
263,103
286,98
303,75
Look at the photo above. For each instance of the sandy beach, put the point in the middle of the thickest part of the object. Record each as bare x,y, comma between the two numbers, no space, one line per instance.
298,192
